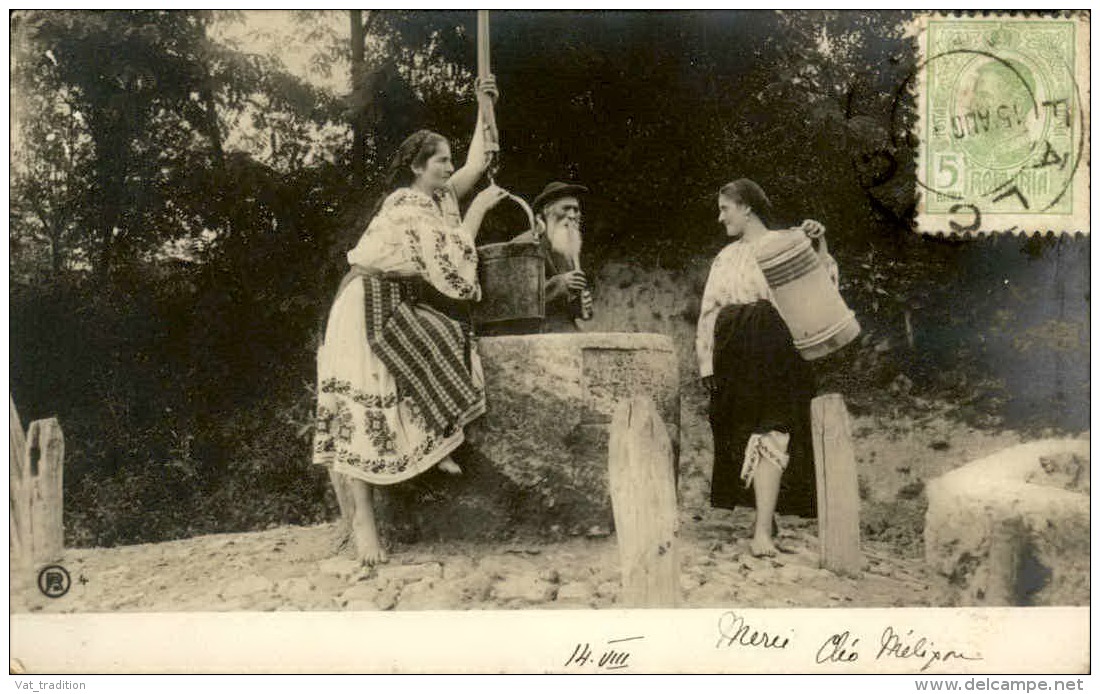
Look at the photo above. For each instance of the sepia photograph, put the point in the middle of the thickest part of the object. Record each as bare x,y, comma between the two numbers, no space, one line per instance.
747,341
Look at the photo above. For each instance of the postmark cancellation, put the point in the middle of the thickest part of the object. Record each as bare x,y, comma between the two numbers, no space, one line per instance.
1003,105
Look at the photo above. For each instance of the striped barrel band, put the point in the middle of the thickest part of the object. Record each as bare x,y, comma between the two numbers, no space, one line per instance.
826,334
781,273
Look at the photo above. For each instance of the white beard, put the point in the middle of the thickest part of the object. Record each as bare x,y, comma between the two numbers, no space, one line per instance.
565,238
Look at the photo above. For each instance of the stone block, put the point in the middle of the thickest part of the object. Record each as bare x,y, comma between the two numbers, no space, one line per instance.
248,586
535,466
339,567
297,588
524,588
431,595
410,573
1013,528
362,592
579,592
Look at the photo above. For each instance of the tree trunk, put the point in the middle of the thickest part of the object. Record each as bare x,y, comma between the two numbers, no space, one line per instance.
358,77
213,132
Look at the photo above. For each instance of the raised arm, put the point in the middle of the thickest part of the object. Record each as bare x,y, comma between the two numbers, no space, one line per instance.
816,230
477,160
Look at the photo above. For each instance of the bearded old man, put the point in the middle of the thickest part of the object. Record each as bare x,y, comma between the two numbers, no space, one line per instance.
557,212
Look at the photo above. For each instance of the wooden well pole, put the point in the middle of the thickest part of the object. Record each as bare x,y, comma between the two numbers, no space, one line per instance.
484,70
643,499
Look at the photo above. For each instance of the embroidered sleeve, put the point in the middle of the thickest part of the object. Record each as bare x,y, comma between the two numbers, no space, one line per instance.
444,255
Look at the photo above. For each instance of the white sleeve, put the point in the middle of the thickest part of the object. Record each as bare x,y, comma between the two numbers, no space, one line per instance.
708,314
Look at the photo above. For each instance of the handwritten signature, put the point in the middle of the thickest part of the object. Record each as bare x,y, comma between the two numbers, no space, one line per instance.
844,647
616,658
733,630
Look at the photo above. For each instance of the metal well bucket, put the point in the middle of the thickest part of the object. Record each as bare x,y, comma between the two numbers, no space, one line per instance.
513,285
811,306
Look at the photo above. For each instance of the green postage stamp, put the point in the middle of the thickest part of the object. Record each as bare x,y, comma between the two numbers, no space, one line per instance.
1004,124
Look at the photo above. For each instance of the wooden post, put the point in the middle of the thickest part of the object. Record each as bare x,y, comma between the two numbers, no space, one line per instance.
837,486
19,495
46,457
35,497
643,498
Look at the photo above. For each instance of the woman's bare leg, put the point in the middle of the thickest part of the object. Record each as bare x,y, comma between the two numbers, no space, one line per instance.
367,544
766,486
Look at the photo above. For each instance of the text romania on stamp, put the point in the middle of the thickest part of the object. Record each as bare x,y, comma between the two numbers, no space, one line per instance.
1003,127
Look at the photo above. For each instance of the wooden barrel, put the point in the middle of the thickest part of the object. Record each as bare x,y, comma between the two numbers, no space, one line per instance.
513,287
811,306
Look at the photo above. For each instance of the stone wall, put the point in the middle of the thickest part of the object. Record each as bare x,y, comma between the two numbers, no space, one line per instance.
536,464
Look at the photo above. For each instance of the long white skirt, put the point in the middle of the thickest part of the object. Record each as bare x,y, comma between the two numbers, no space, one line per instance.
364,429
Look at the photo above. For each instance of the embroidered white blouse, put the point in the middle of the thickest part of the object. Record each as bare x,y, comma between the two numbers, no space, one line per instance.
735,278
414,234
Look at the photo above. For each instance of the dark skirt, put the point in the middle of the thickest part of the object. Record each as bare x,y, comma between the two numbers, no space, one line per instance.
761,384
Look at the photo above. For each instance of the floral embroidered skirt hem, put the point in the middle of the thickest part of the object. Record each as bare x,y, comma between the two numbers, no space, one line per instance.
365,428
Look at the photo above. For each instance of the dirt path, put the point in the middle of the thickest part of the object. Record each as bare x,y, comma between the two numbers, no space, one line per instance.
297,568
294,568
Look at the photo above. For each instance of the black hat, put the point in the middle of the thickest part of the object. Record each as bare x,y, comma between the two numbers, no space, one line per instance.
555,190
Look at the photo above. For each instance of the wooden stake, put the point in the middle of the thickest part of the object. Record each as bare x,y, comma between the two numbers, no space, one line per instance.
837,486
46,457
643,498
20,544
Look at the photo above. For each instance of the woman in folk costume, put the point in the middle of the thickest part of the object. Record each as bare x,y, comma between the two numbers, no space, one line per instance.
760,386
397,378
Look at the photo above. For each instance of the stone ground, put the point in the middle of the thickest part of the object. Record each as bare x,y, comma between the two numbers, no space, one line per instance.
298,568
294,568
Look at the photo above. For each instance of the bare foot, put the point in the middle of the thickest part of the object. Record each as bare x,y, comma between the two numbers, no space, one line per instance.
342,539
368,548
449,466
762,547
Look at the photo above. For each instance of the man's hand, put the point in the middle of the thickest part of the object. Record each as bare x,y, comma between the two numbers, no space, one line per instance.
560,285
574,280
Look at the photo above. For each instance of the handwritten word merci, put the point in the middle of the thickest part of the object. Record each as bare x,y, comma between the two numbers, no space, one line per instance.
39,685
733,630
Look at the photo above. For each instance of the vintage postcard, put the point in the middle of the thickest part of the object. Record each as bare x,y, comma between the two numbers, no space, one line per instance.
403,341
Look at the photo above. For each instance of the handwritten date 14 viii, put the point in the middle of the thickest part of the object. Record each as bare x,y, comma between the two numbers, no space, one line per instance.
615,658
